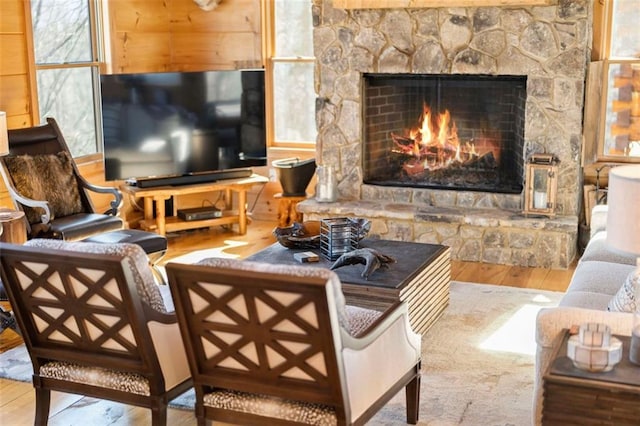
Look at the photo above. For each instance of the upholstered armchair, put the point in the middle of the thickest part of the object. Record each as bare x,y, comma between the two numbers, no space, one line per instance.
44,182
273,344
95,323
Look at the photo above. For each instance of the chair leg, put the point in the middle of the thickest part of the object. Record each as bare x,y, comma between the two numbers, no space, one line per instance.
43,402
159,415
412,392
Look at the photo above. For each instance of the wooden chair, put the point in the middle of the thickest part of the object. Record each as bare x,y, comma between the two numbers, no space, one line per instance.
273,344
44,182
95,323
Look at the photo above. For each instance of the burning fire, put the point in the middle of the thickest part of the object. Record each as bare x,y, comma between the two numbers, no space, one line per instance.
433,144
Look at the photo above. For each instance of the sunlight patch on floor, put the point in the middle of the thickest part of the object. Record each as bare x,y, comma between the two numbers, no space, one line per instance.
219,252
517,334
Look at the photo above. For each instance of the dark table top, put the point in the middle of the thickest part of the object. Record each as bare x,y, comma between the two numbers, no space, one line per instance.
625,372
410,259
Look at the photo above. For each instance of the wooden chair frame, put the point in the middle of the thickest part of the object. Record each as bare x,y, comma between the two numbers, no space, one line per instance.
81,308
223,293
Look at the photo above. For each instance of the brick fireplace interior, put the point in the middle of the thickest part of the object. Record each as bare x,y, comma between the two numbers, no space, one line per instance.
461,132
365,54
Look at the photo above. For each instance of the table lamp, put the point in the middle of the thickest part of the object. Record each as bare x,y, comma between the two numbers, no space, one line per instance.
623,230
4,137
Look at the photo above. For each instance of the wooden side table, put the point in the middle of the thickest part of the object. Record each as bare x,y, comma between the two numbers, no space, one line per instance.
287,212
576,397
13,226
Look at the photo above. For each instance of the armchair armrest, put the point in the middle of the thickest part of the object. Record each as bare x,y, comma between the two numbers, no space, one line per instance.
389,337
115,204
167,341
28,202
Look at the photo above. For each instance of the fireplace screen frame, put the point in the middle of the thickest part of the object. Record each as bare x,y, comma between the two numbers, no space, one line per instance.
382,115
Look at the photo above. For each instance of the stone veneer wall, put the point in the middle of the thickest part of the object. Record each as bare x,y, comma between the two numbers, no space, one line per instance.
548,44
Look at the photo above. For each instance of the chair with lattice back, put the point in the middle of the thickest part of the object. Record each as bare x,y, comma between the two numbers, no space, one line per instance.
95,323
271,344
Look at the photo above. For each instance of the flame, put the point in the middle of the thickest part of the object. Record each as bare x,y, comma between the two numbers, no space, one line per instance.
434,143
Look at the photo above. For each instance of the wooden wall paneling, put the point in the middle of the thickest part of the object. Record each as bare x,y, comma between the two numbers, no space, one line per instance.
12,18
141,52
203,51
139,37
14,54
14,97
231,16
145,16
15,80
176,35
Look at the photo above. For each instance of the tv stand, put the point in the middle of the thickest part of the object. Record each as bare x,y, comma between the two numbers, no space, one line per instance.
163,224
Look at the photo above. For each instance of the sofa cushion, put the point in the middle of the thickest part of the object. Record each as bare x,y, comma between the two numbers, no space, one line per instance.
599,277
598,219
585,300
597,250
625,299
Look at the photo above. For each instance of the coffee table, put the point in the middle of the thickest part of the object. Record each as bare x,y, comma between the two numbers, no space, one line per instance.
420,276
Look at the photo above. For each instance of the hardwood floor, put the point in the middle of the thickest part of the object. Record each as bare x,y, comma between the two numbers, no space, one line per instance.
17,403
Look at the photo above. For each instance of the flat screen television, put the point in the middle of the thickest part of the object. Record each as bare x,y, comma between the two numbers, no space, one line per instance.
182,123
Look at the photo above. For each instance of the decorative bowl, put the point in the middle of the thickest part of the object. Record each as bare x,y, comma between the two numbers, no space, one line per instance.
305,235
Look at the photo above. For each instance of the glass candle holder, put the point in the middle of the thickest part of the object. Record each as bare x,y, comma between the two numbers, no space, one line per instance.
327,186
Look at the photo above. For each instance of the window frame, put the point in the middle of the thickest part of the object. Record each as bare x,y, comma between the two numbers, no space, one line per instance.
95,65
271,59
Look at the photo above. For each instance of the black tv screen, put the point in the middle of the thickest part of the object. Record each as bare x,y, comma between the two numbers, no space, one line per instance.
179,123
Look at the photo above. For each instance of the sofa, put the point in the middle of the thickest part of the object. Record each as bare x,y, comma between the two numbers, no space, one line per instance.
600,290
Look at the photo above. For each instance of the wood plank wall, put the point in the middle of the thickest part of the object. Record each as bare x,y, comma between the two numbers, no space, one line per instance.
176,35
15,79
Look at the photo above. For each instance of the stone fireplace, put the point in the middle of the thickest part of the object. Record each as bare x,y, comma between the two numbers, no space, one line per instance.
545,49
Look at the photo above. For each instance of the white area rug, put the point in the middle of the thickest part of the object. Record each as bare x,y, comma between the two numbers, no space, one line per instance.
477,366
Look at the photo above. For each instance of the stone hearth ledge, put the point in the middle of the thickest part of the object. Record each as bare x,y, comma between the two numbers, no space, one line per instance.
490,235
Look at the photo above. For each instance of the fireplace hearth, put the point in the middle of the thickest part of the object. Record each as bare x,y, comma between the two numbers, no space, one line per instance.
463,132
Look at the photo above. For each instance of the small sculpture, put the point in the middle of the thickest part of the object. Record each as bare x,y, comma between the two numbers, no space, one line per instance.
207,5
372,259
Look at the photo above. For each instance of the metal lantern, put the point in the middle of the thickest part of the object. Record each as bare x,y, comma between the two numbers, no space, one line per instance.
541,185
337,237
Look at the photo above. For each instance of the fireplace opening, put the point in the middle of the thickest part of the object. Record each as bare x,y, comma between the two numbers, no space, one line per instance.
463,132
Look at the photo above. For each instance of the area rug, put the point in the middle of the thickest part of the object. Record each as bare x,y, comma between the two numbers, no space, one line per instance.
477,367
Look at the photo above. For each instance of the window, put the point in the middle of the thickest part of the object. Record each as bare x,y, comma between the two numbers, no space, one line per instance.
291,65
64,39
612,109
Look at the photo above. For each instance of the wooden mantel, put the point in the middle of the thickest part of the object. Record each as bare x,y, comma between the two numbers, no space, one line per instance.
400,4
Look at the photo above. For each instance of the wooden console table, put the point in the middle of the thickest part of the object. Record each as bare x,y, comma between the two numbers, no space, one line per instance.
163,224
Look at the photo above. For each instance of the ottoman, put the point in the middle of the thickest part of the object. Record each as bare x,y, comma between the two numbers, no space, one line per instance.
153,244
